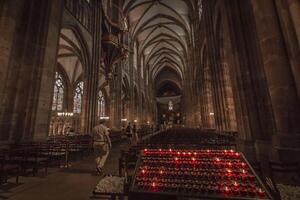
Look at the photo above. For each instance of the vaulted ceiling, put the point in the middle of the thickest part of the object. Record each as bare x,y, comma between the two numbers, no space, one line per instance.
161,30
69,55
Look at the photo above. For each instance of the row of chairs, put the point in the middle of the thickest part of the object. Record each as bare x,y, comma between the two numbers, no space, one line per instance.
28,158
187,137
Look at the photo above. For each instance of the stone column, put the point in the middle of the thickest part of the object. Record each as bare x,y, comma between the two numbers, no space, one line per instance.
131,87
89,112
294,7
118,113
43,115
289,19
30,32
214,49
252,100
10,15
281,83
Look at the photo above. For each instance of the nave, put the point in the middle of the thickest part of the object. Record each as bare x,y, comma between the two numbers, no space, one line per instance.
202,77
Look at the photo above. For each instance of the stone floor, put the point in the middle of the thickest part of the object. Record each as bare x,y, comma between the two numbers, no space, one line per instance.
74,183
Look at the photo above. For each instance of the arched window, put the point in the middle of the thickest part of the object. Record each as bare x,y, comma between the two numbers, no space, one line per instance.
101,104
78,97
58,93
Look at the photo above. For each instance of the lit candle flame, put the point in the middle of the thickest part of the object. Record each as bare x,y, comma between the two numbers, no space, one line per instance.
226,189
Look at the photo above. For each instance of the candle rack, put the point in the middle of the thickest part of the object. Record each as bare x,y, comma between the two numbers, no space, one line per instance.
217,174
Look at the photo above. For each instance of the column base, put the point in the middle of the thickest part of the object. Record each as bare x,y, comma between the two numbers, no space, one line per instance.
247,148
285,148
262,148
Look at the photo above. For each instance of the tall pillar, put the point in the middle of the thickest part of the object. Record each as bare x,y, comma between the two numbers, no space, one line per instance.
214,49
281,83
89,112
131,88
118,100
252,100
294,7
29,34
289,18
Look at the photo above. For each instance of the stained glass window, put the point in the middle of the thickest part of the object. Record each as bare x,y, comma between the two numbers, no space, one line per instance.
101,104
78,97
58,93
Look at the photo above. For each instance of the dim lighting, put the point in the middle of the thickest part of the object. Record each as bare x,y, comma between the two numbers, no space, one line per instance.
135,121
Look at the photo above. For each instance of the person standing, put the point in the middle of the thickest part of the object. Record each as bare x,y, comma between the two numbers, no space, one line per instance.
128,132
102,145
135,138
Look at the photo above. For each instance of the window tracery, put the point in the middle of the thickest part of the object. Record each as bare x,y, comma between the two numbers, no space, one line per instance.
58,93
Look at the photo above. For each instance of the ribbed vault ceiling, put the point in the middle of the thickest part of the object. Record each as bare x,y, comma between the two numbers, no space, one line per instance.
161,29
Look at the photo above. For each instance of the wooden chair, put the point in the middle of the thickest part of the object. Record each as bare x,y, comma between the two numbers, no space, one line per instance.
8,169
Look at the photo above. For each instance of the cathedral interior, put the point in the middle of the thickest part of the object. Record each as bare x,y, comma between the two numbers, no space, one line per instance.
200,99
